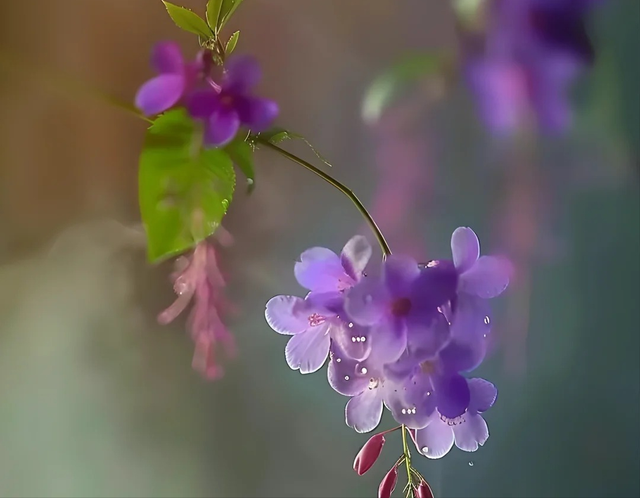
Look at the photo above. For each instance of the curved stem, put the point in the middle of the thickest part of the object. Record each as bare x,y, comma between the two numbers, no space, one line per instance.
407,455
386,251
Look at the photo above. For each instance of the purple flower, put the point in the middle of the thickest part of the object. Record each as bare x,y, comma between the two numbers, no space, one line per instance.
176,77
531,54
226,107
398,305
468,431
314,321
198,278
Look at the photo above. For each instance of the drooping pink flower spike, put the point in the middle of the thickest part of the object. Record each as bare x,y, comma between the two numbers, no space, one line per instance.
176,77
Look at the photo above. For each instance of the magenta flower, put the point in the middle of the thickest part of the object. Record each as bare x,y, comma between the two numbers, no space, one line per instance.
226,107
468,431
198,278
176,78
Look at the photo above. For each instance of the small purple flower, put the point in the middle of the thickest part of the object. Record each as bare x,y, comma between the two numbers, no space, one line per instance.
176,77
398,305
198,278
226,107
468,431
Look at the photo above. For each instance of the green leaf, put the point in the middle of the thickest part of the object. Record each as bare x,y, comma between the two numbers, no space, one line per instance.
231,44
184,191
241,154
188,20
277,135
227,10
213,14
386,87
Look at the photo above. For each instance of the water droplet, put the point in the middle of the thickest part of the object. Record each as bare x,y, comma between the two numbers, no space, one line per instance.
428,393
470,463
350,325
484,335
364,370
363,339
425,449
225,204
353,339
433,263
487,321
404,412
346,377
338,360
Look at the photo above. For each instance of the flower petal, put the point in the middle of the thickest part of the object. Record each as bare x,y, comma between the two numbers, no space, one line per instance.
202,103
471,433
453,394
399,273
308,350
487,278
355,256
343,376
160,93
411,402
436,439
166,57
364,411
256,113
319,270
353,340
483,395
241,73
222,127
465,248
388,342
287,314
365,302
425,338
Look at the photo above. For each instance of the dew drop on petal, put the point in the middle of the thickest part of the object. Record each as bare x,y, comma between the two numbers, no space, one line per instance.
346,377
487,321
364,370
350,325
424,449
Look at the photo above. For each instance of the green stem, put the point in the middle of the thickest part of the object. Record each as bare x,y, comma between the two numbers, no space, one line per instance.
407,454
386,251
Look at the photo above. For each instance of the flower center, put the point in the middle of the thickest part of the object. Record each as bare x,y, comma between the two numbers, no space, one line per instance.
401,306
428,367
315,319
227,100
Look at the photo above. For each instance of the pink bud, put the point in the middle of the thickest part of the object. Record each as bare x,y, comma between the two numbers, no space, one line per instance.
424,490
368,454
388,483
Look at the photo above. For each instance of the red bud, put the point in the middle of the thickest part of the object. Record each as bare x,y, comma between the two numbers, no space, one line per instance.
368,454
424,490
388,483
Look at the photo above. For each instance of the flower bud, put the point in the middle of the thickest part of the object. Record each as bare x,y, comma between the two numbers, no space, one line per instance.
368,454
388,483
423,490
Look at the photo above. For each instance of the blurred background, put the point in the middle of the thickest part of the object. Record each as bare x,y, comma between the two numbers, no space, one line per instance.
100,400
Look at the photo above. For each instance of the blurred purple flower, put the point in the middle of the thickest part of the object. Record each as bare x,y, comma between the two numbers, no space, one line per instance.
532,52
198,278
226,107
468,431
176,77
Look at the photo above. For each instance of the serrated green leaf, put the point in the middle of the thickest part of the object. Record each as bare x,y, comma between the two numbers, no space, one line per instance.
231,44
188,20
277,135
389,84
227,10
184,191
213,13
241,154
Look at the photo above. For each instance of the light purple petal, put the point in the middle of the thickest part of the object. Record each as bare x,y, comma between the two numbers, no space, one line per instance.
319,270
471,433
411,402
202,103
435,286
399,273
343,374
426,338
355,256
483,395
256,113
436,439
160,93
366,302
388,342
364,411
487,278
287,315
465,248
308,350
354,340
453,394
221,127
242,72
167,58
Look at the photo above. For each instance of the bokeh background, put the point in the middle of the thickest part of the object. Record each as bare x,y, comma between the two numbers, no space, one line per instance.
97,399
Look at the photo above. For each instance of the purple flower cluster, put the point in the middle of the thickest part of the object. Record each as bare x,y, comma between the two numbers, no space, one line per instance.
401,338
223,108
531,53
